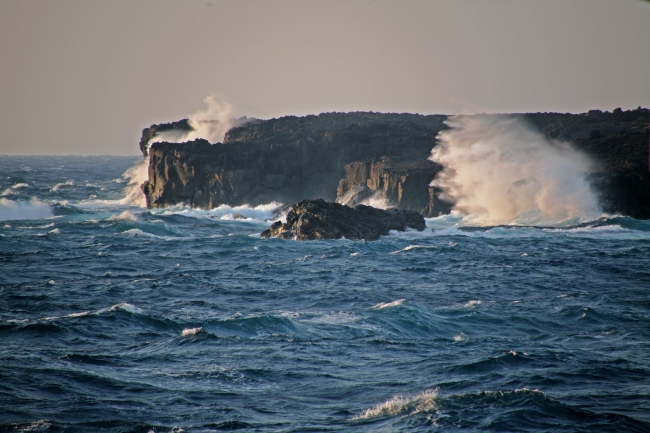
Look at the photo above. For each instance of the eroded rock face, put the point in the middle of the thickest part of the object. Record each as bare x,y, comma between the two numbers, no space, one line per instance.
318,219
403,185
283,160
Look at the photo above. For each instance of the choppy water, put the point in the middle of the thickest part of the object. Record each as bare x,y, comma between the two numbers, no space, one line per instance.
115,318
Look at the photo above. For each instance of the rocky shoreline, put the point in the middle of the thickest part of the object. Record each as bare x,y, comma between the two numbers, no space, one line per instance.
349,157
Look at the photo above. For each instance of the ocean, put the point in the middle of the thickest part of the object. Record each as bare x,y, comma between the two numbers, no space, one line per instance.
116,318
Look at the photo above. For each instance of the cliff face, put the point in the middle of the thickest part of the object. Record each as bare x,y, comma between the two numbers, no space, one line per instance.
283,160
326,156
405,185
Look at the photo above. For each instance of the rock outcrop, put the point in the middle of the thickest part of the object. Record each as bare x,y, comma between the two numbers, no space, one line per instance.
182,126
283,160
353,156
318,219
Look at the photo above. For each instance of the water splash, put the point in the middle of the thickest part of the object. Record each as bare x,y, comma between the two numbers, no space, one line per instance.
33,209
499,170
211,124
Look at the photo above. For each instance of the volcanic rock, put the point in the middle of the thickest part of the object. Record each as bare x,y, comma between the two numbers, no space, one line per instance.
318,219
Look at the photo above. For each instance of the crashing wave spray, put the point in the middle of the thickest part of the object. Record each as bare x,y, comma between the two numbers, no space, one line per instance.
499,170
211,124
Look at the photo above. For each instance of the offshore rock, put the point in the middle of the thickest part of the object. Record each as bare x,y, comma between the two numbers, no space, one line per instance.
318,219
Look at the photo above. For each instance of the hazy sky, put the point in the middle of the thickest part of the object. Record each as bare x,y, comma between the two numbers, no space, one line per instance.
84,77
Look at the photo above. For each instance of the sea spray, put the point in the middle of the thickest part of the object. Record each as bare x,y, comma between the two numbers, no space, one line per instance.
211,124
499,170
33,209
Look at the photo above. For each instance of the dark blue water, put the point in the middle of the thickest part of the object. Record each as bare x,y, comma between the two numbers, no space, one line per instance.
114,318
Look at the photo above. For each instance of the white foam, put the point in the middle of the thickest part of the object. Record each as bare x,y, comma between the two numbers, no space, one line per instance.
472,304
58,186
225,212
55,231
124,216
354,254
377,200
336,318
84,313
409,248
191,331
124,306
24,210
382,305
134,177
460,337
11,189
399,404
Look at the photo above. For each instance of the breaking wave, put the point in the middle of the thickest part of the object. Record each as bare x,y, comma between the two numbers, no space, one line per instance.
33,209
399,405
498,170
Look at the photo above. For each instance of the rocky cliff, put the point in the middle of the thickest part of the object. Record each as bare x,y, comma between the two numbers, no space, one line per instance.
360,154
182,126
284,160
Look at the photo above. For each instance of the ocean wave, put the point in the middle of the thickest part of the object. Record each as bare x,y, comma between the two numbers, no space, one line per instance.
192,331
124,216
142,233
60,185
13,188
383,305
126,307
409,248
424,402
24,210
224,212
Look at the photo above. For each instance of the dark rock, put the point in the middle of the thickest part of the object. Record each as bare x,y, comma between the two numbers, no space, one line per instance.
239,216
318,219
283,160
403,185
153,130
293,158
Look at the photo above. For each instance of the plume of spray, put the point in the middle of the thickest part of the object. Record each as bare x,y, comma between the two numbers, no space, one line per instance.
498,170
211,124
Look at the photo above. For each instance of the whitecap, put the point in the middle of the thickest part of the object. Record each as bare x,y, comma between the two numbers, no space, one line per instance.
55,231
460,337
11,189
388,304
399,404
84,313
472,304
409,248
58,186
124,306
354,254
191,331
124,216
226,213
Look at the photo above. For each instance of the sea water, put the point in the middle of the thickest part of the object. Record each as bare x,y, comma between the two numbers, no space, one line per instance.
117,318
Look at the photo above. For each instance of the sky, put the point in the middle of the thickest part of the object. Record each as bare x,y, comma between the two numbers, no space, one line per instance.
82,77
